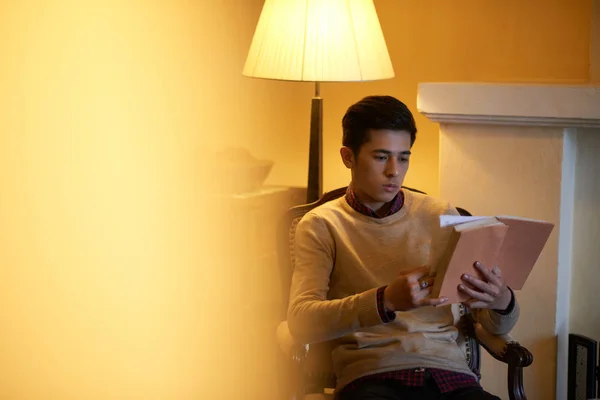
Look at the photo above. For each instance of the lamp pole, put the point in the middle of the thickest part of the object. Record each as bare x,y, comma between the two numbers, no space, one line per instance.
315,156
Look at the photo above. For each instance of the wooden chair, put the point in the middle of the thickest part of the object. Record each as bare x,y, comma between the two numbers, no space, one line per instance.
305,371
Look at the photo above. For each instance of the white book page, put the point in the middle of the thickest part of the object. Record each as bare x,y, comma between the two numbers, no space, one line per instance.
453,220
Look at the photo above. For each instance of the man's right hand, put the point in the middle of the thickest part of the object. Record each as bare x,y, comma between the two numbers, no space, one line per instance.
405,292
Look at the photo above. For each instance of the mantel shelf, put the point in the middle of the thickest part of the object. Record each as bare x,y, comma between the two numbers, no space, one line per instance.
510,104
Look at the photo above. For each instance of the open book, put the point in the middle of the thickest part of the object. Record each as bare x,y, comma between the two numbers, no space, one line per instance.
512,243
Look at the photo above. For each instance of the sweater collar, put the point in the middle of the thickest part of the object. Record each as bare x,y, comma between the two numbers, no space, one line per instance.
354,202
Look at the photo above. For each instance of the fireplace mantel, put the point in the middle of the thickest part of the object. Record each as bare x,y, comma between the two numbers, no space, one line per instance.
530,150
512,104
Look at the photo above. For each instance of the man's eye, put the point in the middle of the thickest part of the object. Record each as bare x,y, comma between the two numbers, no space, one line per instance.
404,160
381,158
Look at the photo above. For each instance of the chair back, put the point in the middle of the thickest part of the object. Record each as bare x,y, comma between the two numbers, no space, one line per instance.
285,241
285,246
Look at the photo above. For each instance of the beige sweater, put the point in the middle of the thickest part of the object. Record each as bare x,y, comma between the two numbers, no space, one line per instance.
342,257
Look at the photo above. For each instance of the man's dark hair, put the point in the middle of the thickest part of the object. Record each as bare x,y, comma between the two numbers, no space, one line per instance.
376,112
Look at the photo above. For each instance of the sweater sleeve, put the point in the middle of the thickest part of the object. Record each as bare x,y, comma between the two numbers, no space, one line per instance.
311,316
498,323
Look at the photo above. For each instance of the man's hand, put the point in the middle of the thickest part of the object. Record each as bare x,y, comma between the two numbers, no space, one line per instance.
410,290
489,293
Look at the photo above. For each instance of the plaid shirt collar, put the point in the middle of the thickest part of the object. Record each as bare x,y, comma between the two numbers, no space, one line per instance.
356,204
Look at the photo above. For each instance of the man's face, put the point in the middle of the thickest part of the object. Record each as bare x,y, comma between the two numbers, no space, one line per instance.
380,168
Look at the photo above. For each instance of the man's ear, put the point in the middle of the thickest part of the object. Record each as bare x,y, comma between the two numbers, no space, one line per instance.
347,157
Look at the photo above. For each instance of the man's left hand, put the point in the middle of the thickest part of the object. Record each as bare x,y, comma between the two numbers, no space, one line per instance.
489,293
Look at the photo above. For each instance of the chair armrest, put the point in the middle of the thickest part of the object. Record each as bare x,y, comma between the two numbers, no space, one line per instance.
503,348
309,366
287,345
290,359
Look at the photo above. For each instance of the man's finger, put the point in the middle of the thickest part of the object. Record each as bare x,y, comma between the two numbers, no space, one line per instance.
430,281
488,275
431,302
422,283
416,274
475,294
421,294
476,304
481,285
414,286
496,271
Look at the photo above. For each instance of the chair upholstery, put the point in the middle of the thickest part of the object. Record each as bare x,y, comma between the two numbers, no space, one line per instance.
309,368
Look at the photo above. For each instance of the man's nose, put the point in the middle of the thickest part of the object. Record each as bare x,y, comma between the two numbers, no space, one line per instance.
391,168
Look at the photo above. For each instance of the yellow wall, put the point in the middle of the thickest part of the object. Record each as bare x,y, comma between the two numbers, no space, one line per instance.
595,44
107,112
470,40
474,159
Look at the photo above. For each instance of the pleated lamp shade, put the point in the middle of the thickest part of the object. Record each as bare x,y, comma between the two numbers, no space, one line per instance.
319,41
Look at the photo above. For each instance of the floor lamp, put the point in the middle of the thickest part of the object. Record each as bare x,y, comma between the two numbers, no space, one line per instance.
318,41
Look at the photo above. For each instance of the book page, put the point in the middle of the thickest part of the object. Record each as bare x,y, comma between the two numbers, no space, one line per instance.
453,220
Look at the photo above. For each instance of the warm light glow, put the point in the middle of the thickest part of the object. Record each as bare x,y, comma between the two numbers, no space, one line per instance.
319,40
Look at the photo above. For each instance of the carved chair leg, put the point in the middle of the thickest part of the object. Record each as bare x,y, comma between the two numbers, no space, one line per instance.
299,392
299,383
515,383
290,381
517,357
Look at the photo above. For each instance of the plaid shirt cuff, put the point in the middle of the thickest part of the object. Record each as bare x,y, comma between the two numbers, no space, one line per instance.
385,315
511,305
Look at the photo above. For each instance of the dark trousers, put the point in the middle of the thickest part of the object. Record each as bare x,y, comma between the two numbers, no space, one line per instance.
394,390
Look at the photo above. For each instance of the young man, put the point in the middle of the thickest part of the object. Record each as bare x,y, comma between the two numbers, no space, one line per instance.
362,275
